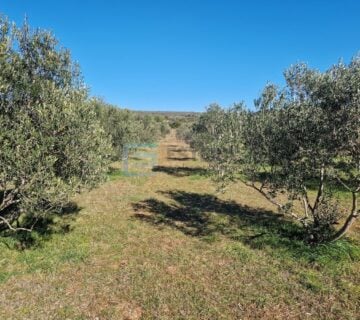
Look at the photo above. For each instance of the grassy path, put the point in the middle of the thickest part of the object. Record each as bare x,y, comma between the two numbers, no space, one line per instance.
168,247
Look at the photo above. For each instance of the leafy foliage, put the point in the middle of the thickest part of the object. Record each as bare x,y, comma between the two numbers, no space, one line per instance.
217,137
304,134
124,126
52,144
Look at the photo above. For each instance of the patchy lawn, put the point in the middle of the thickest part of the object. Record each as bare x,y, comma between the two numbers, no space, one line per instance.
167,246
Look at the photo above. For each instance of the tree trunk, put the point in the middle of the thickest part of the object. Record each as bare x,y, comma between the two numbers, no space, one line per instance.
349,221
320,189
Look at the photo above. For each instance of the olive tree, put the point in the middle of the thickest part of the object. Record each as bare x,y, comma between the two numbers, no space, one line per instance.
302,142
151,128
331,101
217,136
185,131
123,126
52,144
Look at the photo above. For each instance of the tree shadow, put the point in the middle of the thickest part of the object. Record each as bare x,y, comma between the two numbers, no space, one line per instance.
180,158
136,158
205,215
43,228
181,171
180,154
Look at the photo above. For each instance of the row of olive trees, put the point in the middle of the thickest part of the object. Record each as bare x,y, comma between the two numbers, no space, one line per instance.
54,140
127,127
300,145
184,131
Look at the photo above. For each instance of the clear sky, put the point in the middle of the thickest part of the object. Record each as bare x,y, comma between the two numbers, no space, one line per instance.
185,54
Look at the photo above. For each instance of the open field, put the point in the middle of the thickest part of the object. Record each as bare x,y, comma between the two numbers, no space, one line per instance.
167,246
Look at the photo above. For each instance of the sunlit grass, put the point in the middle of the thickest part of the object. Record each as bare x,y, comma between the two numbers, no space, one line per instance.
168,246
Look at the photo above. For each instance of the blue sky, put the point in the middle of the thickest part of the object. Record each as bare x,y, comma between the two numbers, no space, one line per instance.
183,55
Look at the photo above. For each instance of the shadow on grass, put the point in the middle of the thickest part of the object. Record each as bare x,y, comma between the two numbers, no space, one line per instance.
180,154
137,158
206,216
181,171
180,158
43,229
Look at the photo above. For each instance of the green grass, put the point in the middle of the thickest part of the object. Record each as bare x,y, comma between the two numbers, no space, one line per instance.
115,174
47,256
168,246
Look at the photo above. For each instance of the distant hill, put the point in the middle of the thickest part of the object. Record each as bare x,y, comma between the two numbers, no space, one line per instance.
170,114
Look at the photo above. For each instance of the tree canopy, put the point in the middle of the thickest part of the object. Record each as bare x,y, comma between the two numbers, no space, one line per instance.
300,137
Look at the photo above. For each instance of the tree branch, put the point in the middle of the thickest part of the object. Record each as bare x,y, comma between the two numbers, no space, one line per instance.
320,189
306,199
343,183
270,199
8,224
350,219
